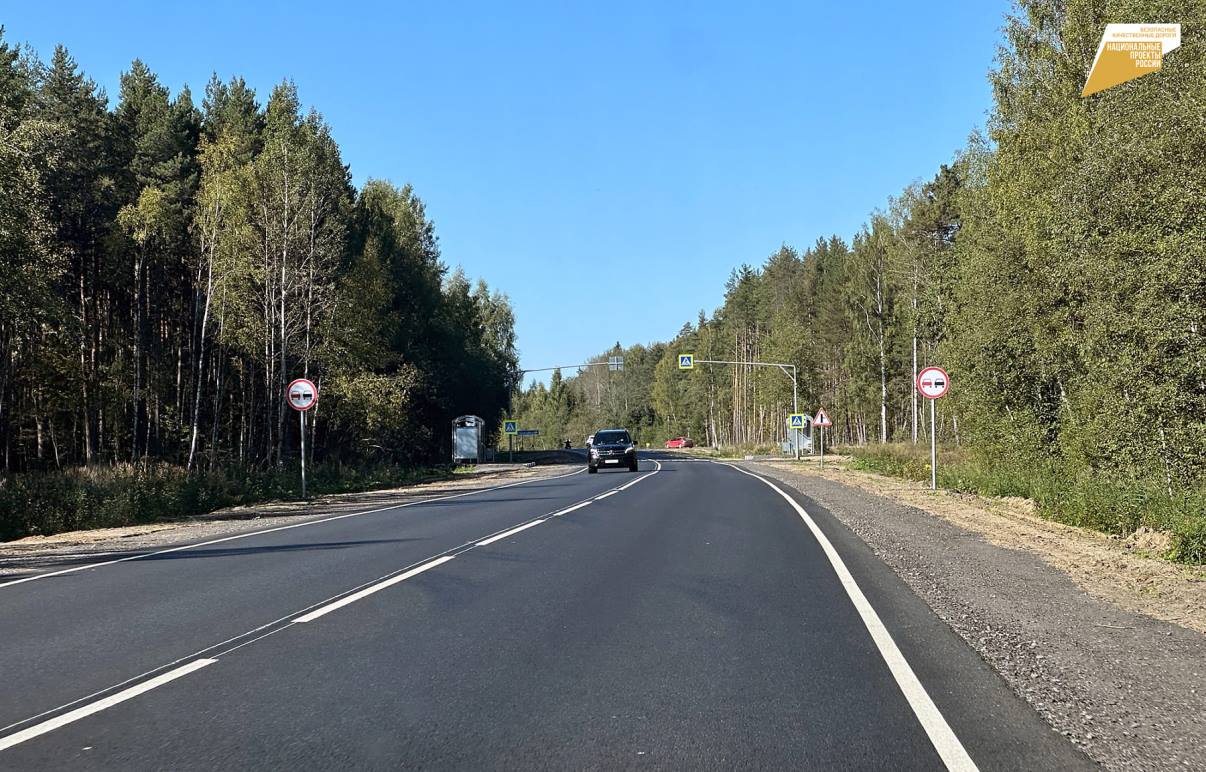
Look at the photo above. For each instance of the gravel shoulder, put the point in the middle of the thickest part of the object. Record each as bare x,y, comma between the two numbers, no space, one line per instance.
1105,641
36,554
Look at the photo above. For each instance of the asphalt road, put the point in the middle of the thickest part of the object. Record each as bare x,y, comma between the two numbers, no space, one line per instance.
688,616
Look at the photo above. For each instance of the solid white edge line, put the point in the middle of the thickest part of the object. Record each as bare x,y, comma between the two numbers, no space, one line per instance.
511,532
367,591
278,528
605,495
95,707
949,748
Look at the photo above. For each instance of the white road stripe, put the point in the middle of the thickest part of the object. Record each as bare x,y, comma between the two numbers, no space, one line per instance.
95,707
279,528
605,495
567,510
643,477
367,591
949,748
511,532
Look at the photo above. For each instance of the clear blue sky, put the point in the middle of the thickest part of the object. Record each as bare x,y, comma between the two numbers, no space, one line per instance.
583,156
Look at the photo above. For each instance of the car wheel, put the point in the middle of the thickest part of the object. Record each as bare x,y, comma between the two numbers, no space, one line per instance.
633,467
592,470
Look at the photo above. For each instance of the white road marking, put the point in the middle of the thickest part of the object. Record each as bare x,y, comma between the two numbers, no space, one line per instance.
278,528
511,532
626,486
567,510
367,591
95,707
949,748
605,495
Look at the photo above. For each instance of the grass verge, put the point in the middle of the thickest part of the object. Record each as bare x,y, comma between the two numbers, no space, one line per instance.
44,503
1086,501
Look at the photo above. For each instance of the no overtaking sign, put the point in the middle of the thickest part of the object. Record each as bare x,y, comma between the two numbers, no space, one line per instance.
302,394
933,382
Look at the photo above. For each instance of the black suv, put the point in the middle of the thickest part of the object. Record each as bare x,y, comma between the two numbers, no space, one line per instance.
611,447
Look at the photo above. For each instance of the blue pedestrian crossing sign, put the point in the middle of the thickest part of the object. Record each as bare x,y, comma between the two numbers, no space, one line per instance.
686,361
797,421
510,427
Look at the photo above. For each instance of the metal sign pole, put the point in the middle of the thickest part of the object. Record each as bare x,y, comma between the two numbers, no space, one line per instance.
301,395
933,449
933,383
795,407
301,414
822,447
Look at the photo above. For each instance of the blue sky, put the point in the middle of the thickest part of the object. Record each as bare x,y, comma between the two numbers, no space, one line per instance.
584,156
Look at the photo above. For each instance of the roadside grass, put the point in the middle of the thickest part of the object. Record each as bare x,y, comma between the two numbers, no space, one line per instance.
1110,506
45,503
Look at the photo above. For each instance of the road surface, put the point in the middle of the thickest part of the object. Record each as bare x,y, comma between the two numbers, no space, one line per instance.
687,616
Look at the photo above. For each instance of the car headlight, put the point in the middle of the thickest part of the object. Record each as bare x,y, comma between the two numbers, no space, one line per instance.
631,450
594,453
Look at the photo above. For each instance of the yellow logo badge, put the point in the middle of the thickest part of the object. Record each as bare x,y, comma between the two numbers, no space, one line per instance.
1128,51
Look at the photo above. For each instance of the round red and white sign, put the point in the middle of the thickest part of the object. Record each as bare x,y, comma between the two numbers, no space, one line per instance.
933,382
301,394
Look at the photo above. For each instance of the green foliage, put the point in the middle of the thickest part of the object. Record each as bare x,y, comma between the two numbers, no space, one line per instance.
1080,301
44,503
165,271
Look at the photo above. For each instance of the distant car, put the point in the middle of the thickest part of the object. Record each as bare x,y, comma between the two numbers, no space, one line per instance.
680,442
611,447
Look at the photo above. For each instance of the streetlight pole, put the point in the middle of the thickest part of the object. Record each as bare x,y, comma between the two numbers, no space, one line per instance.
611,365
795,403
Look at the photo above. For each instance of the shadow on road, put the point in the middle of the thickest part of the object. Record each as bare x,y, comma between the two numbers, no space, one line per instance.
52,562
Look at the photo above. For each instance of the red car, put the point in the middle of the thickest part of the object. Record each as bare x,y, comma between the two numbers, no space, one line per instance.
680,442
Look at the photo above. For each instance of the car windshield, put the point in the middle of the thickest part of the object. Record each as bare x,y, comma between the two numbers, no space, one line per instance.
611,438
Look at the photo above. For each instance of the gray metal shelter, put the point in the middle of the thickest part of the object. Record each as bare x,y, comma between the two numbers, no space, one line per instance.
468,439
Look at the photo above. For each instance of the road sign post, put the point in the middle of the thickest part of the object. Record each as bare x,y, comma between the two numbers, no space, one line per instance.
822,420
797,423
933,383
302,395
510,428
